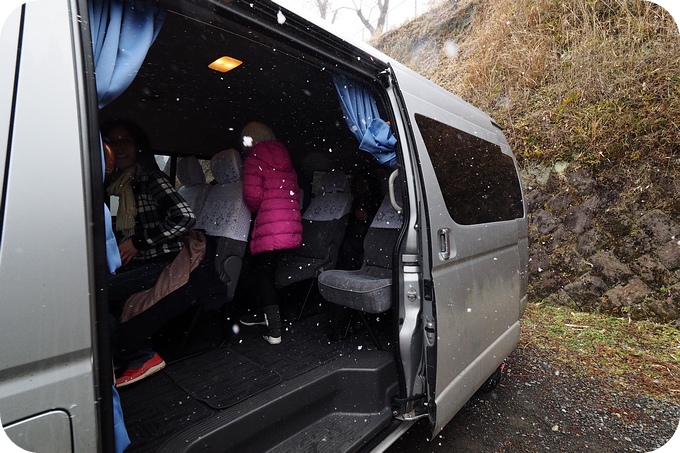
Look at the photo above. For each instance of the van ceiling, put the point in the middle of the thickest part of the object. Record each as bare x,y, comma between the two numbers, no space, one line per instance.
187,108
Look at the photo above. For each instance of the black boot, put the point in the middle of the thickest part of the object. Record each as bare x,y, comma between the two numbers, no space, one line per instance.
273,319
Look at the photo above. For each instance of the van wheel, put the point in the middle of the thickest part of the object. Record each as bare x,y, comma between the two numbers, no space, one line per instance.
493,380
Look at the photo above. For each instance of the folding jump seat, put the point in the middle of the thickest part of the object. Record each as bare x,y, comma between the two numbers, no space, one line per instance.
368,289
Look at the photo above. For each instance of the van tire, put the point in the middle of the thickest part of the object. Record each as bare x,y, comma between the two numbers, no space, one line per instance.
492,382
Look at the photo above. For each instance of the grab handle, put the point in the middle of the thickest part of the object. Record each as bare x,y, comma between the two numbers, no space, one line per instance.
393,198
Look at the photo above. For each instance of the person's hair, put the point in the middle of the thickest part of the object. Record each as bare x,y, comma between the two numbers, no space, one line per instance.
253,133
145,157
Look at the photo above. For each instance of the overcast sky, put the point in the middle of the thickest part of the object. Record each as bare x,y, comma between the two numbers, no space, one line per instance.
349,23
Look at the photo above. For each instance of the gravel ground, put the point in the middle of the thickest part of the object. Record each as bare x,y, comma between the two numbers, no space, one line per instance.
540,408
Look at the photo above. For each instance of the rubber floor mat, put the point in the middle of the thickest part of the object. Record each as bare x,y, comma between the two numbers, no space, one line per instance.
304,346
150,419
221,378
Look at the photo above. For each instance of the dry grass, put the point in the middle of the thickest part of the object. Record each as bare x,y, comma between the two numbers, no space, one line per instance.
592,81
632,357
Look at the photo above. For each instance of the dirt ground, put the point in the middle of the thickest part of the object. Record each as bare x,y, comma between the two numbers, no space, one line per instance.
540,408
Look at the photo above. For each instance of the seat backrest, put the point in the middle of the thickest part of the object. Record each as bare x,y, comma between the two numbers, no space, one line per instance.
325,219
225,217
225,213
382,235
194,188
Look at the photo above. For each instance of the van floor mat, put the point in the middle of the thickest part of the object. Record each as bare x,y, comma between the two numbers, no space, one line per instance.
150,419
304,346
221,378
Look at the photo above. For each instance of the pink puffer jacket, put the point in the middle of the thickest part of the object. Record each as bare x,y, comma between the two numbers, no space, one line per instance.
271,190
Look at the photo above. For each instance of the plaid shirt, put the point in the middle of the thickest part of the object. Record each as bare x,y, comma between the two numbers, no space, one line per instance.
162,216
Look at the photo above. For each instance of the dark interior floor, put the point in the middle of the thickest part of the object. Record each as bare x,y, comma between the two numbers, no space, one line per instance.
223,364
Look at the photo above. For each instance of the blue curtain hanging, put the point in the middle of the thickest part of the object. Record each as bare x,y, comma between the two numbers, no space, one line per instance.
122,32
362,116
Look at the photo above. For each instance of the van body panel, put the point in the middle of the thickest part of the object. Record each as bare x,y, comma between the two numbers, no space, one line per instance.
44,265
454,395
476,284
455,312
51,428
9,39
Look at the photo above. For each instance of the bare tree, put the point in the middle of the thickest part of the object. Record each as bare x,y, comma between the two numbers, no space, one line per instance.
328,8
325,7
382,6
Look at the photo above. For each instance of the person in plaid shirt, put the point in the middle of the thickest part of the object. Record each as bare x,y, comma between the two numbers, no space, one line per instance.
151,223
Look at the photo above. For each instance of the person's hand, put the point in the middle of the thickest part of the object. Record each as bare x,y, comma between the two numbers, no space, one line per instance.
127,251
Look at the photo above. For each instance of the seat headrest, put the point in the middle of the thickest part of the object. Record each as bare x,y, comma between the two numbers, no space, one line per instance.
333,182
226,166
189,171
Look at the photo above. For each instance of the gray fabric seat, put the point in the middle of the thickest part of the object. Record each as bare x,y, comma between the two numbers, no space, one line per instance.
368,289
194,188
226,218
323,227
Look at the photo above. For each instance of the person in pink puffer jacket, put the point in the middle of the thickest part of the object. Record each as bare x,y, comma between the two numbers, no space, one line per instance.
271,191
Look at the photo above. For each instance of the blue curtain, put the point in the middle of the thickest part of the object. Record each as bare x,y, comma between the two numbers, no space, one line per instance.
112,255
122,32
362,116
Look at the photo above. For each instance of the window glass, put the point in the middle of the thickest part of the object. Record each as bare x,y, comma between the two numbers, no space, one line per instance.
479,183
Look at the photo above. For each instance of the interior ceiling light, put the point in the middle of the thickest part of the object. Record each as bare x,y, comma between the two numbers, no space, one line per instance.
224,64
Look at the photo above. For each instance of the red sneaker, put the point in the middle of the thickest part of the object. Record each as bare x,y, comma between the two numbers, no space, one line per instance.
151,366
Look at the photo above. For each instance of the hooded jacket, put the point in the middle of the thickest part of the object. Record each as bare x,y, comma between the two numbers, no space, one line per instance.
271,191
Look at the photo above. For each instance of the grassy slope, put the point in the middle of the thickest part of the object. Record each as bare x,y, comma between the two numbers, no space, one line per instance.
596,82
593,82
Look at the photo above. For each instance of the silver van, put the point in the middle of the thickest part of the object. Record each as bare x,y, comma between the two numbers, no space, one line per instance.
427,314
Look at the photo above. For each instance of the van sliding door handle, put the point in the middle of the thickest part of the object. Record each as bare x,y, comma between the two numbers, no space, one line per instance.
444,243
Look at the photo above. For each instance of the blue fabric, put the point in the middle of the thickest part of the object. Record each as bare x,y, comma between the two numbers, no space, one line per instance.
112,254
121,438
122,32
362,116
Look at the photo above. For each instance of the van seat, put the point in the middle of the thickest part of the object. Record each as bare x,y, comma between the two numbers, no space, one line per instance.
225,217
323,227
368,289
194,188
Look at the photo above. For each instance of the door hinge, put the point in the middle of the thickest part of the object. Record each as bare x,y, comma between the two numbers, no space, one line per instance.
411,408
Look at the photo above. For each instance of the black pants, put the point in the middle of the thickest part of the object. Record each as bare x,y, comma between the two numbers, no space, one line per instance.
263,265
132,278
131,336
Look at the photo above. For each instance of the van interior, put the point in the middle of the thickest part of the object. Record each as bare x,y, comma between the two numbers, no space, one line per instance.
332,380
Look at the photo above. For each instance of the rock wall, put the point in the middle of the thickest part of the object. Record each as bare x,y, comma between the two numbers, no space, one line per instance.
606,242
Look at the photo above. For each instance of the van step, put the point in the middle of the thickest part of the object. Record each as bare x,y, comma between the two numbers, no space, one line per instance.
333,433
334,408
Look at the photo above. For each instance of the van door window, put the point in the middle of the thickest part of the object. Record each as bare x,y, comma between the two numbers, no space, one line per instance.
478,182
